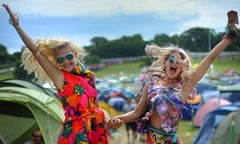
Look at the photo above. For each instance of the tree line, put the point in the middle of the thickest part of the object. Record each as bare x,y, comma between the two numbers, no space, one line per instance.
197,39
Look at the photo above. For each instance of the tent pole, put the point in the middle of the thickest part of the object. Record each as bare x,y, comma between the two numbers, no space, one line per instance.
232,132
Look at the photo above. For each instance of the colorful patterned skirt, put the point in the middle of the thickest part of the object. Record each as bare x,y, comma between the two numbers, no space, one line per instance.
156,136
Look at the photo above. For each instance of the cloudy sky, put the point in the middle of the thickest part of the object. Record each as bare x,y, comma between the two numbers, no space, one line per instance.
81,20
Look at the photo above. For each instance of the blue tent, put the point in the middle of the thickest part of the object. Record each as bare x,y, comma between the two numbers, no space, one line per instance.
211,122
115,97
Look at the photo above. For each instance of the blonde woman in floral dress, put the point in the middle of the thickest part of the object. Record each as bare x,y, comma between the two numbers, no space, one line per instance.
58,61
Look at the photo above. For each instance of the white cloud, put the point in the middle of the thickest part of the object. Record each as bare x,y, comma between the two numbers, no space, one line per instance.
211,15
202,13
110,7
185,13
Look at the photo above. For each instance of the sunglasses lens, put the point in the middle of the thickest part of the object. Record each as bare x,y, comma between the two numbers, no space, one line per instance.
60,59
171,59
69,56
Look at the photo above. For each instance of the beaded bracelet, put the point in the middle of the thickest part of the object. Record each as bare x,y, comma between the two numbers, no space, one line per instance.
231,35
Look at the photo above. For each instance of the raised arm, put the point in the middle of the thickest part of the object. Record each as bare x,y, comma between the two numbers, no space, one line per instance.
214,53
54,74
199,72
15,22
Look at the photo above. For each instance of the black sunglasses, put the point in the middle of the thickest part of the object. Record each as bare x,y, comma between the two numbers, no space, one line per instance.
68,56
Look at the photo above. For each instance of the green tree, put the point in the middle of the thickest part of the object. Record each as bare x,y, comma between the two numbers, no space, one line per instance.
125,46
197,39
162,40
6,60
3,54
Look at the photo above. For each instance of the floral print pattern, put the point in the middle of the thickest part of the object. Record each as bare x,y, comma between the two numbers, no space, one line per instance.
167,103
84,120
156,138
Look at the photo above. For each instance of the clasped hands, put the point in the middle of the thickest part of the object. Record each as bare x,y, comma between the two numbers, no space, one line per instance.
114,123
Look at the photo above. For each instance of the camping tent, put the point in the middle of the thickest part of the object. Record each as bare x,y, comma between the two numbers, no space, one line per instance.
115,97
29,85
228,130
23,109
230,92
206,108
211,122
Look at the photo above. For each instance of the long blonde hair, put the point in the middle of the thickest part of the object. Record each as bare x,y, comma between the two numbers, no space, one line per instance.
47,47
161,54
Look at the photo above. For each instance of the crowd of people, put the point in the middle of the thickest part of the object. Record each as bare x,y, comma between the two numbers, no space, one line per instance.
169,82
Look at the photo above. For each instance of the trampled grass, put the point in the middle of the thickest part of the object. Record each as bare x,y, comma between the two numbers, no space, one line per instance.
186,131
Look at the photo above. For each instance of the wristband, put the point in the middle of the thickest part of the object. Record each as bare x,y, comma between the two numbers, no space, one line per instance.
231,34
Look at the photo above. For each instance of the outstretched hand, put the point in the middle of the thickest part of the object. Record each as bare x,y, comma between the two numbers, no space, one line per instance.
13,17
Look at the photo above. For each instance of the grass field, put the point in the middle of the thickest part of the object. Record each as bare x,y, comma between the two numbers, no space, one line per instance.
186,131
133,68
6,76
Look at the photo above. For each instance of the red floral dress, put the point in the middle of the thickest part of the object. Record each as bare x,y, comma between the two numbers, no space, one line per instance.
84,120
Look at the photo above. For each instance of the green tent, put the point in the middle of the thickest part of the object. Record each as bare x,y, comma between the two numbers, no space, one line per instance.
22,109
28,84
228,131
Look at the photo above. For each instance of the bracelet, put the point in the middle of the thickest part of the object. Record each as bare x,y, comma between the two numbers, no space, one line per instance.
231,35
14,24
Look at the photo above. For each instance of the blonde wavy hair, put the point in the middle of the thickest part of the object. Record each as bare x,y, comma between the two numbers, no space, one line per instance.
48,47
161,54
